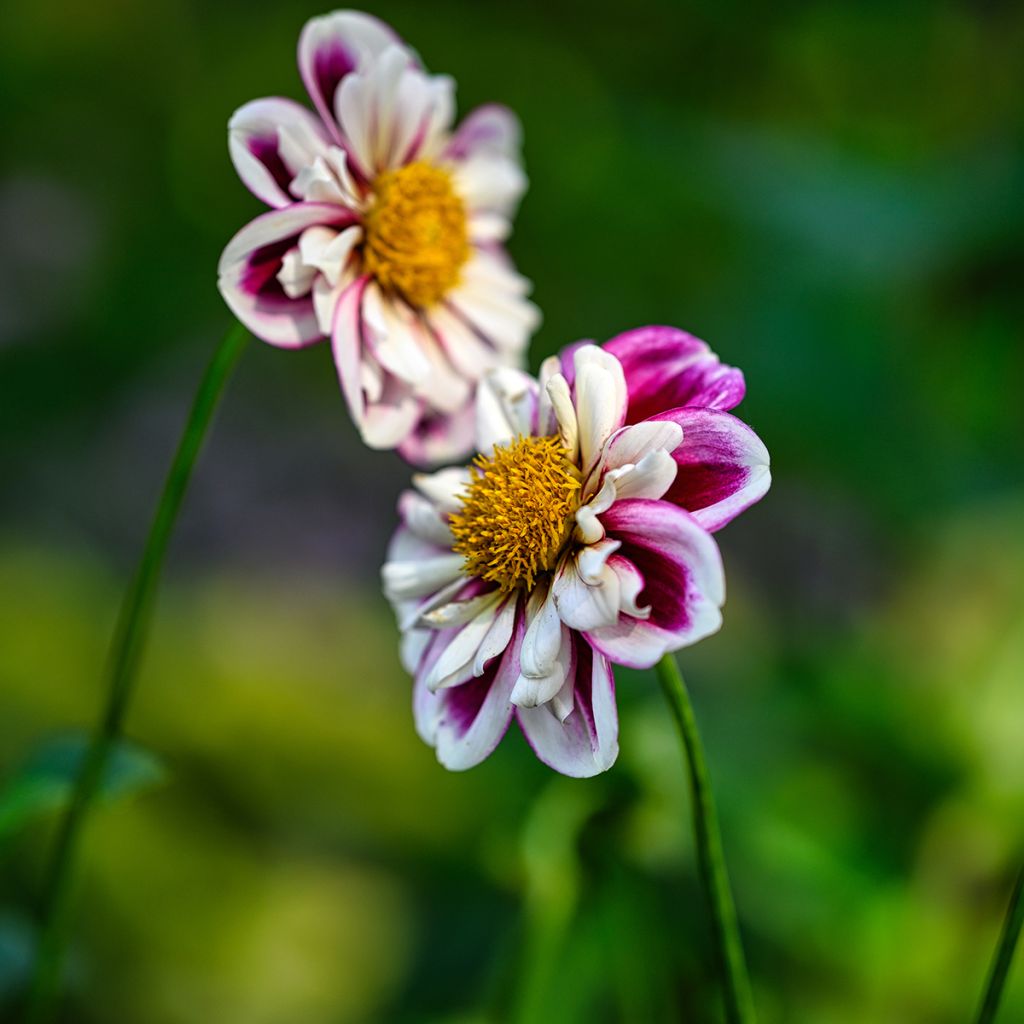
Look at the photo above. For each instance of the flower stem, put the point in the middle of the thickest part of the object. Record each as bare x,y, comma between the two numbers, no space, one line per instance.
739,1004
1004,954
126,649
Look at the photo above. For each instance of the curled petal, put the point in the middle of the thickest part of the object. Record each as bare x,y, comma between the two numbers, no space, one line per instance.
465,723
249,269
667,368
723,466
439,438
491,129
331,48
383,406
684,584
586,742
271,141
600,400
506,408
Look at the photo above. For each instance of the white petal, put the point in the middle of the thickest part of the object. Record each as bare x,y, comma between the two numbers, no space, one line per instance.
565,414
600,401
498,635
424,519
591,601
651,477
506,404
445,488
487,181
403,580
455,665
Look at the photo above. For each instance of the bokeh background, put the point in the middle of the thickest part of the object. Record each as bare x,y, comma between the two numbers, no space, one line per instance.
833,195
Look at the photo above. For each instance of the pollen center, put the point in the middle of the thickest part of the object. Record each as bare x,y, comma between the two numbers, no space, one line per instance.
416,237
516,512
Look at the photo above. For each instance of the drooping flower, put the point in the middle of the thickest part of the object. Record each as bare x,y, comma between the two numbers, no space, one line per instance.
385,234
579,538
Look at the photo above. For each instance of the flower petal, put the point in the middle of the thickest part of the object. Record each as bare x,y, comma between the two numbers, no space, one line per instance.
332,47
439,438
667,368
723,466
270,141
490,182
506,408
684,584
586,592
600,399
249,268
491,298
491,129
586,743
474,716
544,657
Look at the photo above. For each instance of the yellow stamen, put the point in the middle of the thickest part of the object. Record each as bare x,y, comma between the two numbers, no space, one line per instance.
517,512
416,235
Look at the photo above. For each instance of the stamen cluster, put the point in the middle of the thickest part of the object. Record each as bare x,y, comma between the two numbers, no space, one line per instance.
416,234
517,512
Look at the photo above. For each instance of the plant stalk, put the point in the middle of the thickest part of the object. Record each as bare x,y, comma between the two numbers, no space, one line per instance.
736,994
125,653
1004,954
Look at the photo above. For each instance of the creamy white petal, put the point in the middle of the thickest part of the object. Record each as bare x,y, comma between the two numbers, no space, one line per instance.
487,181
396,336
455,665
403,580
424,519
651,477
445,488
498,635
600,401
588,527
506,404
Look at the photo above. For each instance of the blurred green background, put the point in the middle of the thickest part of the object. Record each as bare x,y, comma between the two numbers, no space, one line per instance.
833,195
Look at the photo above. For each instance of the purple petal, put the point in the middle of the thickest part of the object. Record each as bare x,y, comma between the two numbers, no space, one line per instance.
667,368
684,584
270,141
723,466
249,265
491,129
587,742
332,47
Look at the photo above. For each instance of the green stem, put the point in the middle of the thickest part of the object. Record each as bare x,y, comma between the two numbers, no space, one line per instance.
739,1004
1004,954
126,649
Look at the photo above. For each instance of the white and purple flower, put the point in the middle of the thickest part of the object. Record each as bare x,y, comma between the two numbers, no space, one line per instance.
579,538
385,234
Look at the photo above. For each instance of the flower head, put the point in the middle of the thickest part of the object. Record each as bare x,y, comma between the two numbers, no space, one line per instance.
385,234
580,537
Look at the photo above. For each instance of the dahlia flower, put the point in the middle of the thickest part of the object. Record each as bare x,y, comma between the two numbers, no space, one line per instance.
385,234
579,538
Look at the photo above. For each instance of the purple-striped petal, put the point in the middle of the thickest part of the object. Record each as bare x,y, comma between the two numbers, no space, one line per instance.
684,584
437,439
465,723
333,46
667,368
270,141
491,129
586,743
723,466
249,268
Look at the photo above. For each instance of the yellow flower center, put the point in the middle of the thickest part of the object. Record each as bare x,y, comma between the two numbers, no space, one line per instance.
516,512
416,237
